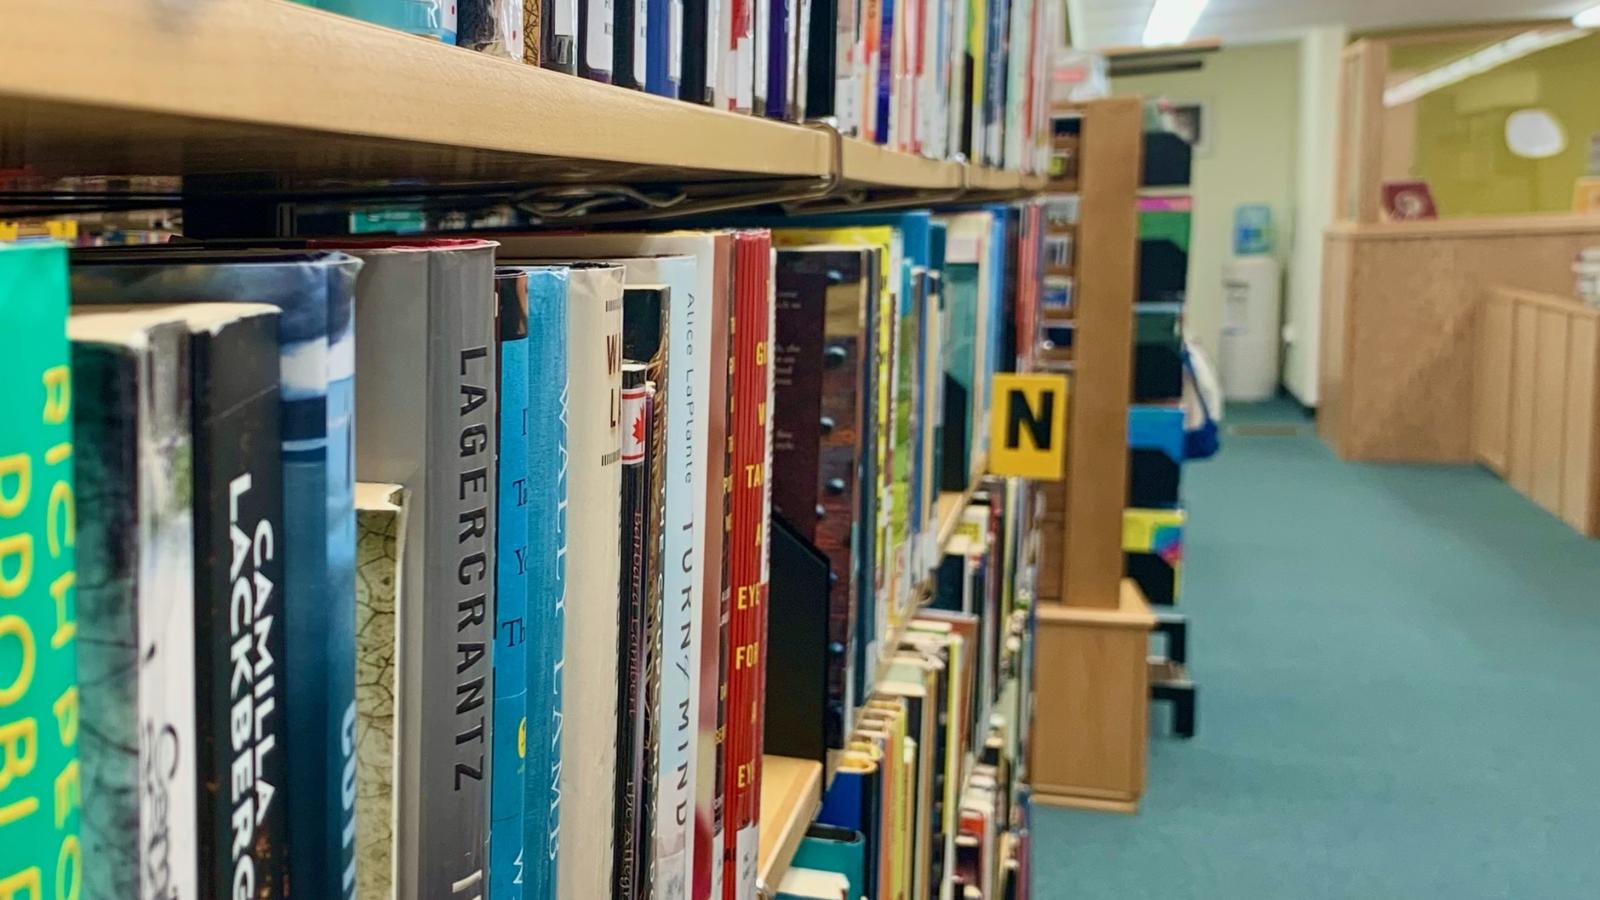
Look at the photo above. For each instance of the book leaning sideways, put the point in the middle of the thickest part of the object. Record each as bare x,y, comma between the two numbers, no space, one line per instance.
39,847
316,359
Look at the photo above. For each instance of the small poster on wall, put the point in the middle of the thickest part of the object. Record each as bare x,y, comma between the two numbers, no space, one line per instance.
1409,201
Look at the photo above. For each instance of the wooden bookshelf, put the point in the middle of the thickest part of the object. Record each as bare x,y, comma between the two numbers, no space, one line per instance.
791,796
273,90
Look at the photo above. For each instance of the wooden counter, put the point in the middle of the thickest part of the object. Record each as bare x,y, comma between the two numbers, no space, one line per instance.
1536,415
1398,335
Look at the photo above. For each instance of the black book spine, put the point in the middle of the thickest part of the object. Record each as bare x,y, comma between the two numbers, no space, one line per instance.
625,23
634,634
820,68
695,84
558,38
239,621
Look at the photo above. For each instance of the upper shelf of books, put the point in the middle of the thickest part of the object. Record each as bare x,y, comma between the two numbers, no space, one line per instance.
271,88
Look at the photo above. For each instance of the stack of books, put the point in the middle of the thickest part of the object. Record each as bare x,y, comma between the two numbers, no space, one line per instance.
443,567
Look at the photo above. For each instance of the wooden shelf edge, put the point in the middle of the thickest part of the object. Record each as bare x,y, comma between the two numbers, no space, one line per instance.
273,88
791,796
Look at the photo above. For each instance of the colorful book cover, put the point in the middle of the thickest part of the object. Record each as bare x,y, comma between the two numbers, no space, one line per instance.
508,771
430,18
490,26
151,622
631,862
426,341
36,479
532,51
380,524
316,370
548,471
688,267
748,427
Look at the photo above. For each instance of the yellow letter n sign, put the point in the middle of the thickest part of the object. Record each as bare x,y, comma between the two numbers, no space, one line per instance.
1028,426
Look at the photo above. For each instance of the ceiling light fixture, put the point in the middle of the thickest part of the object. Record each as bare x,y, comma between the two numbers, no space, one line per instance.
1589,18
1491,57
1172,21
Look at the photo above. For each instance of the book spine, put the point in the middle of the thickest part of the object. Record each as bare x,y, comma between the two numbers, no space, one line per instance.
665,34
657,877
36,450
695,47
337,632
750,498
780,14
508,757
633,633
882,97
457,600
532,32
558,36
238,611
164,603
589,678
799,56
547,393
628,43
709,786
596,42
490,26
104,457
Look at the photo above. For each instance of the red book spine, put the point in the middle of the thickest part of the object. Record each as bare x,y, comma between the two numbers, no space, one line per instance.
747,558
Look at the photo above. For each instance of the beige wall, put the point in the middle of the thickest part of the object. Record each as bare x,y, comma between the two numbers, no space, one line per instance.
1252,94
1315,173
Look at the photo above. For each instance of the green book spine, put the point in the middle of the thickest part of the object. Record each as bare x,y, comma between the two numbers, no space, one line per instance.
40,854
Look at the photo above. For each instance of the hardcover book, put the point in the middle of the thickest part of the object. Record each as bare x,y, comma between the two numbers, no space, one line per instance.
508,772
141,619
316,358
380,530
630,43
664,36
596,41
37,410
490,26
633,824
696,50
558,35
548,472
427,400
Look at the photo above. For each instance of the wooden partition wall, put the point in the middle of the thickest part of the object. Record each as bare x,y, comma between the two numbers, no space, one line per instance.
1398,325
1537,406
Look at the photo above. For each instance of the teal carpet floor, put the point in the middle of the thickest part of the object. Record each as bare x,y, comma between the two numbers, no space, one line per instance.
1399,670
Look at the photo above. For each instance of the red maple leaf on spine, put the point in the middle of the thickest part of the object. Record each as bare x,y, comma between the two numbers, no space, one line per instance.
638,426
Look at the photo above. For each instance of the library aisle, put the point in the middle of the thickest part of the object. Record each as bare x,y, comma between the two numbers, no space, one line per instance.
1400,676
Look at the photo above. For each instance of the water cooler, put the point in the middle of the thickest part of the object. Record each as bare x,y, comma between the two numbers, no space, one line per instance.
1252,323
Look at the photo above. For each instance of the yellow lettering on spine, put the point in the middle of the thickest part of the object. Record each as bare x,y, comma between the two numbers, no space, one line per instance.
57,395
19,467
61,518
67,792
21,547
58,453
15,625
761,353
69,888
66,710
66,628
18,762
21,809
22,884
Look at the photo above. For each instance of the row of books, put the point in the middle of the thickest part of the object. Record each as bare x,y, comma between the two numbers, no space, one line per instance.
941,78
387,547
928,799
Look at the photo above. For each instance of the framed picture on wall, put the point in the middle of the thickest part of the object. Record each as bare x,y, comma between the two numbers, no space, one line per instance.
1192,120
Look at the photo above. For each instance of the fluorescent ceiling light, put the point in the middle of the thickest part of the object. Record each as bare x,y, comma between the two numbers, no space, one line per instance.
1172,21
1491,57
1589,18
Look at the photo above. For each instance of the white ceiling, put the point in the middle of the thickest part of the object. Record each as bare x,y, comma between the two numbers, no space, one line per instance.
1113,23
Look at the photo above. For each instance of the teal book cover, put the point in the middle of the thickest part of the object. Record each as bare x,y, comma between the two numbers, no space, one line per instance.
40,853
546,454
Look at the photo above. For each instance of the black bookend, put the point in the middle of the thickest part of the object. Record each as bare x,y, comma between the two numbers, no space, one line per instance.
797,648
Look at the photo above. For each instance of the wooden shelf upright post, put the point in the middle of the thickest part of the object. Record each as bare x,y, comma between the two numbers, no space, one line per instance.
1091,711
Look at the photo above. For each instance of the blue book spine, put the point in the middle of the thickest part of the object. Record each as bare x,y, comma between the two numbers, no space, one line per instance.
507,774
777,59
885,73
546,457
664,34
337,625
